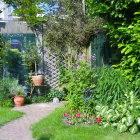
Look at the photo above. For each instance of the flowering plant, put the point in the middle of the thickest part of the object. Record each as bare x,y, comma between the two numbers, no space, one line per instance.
98,120
88,102
74,118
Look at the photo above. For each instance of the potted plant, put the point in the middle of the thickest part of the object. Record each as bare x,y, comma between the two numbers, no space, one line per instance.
18,93
31,58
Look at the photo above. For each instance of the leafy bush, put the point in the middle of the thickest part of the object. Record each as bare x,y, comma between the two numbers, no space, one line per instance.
77,78
56,93
7,86
124,115
136,86
123,29
39,99
28,100
6,103
83,102
111,86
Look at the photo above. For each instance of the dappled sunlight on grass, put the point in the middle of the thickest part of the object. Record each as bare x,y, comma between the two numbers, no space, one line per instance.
53,128
7,115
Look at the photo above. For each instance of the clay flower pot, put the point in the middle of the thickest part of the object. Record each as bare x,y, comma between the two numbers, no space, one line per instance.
38,80
19,100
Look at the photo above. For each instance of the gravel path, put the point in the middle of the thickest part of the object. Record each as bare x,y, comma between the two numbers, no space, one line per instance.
20,129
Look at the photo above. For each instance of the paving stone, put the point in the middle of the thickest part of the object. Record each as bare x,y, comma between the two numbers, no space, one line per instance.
20,129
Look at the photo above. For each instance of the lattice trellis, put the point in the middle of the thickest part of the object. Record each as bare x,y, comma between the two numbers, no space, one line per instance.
51,68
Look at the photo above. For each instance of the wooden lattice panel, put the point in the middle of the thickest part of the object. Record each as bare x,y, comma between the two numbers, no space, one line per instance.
51,69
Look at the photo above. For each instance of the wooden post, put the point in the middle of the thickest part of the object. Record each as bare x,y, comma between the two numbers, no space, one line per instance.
85,53
84,6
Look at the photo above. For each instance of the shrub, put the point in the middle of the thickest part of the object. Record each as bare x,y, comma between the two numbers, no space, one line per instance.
6,103
79,80
56,93
111,86
7,86
83,102
39,99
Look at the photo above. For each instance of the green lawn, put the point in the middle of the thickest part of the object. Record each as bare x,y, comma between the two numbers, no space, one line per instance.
52,128
7,115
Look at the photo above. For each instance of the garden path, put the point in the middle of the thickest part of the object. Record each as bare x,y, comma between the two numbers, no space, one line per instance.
20,129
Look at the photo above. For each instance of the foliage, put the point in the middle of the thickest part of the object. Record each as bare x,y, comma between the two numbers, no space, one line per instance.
83,102
78,81
39,99
111,86
8,86
31,55
28,10
131,49
88,103
123,30
57,130
8,115
75,118
136,86
3,54
77,78
124,115
28,100
68,31
13,63
18,90
55,93
6,102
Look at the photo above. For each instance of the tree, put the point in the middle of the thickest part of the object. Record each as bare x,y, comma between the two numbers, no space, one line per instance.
28,10
69,30
123,23
3,54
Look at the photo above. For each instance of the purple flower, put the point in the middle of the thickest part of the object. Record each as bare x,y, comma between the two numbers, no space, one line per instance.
93,57
90,96
90,90
86,100
81,57
85,90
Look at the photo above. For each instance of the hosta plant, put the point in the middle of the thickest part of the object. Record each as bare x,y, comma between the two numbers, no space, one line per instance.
124,115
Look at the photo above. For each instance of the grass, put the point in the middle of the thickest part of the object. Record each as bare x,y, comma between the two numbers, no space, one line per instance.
52,128
7,115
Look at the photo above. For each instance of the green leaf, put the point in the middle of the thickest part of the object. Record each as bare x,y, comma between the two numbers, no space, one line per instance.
122,128
133,129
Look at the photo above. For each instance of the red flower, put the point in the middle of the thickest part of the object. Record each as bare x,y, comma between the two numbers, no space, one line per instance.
74,110
98,120
77,115
65,114
67,111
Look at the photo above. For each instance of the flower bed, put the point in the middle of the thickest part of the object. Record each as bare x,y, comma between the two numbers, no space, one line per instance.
76,118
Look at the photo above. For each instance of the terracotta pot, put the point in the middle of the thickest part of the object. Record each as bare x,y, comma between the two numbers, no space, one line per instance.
38,80
19,100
